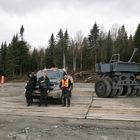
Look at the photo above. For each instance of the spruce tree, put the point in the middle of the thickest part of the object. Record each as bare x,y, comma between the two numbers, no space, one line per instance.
34,60
49,53
3,52
59,49
122,43
137,42
65,49
17,56
93,40
94,36
108,47
21,32
51,49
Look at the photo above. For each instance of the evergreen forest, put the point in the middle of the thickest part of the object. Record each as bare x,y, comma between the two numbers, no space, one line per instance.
62,51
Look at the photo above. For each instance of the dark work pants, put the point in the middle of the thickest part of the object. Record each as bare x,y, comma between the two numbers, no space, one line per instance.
65,97
71,90
43,95
28,95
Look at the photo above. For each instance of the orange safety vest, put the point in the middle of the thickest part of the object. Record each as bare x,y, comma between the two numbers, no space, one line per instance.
65,83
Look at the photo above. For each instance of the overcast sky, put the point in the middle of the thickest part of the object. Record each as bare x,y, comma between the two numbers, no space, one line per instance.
41,18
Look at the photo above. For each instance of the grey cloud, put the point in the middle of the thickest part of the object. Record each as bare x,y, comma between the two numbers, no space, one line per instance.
73,14
24,6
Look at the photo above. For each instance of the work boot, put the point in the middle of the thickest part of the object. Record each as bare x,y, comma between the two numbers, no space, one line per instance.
68,102
28,104
63,105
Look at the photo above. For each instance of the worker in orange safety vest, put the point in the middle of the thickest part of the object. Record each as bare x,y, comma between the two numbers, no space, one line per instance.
65,86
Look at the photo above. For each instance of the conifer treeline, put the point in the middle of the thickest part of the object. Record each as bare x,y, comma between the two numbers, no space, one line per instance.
75,54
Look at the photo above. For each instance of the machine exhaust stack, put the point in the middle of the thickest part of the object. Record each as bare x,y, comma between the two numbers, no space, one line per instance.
135,50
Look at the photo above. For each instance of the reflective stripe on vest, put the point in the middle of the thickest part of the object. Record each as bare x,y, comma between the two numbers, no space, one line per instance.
65,83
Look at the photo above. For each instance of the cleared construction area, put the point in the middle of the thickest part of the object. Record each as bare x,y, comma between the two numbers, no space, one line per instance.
84,104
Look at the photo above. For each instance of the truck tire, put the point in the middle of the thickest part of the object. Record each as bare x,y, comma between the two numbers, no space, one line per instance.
102,88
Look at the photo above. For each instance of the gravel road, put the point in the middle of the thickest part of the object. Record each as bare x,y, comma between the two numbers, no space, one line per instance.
19,122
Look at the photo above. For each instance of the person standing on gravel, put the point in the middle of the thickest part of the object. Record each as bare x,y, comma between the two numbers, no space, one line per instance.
71,86
31,83
44,88
65,85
